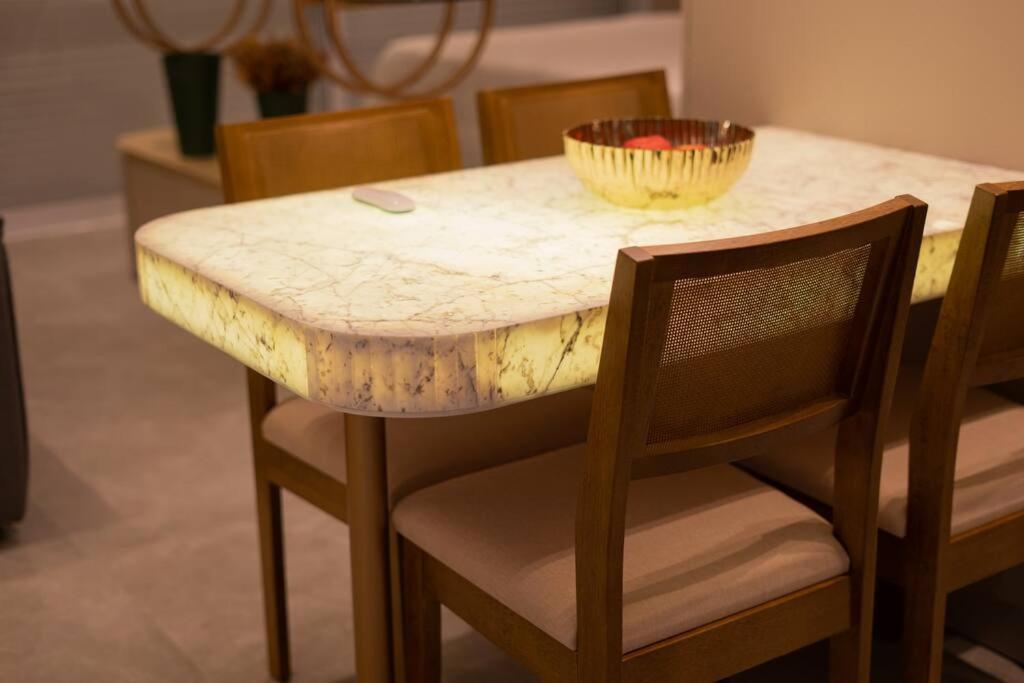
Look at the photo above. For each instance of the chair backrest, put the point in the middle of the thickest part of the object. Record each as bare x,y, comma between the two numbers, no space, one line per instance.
13,428
311,152
527,122
719,351
979,339
1001,354
753,339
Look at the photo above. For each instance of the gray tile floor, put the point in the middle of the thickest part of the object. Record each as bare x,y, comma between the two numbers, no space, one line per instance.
138,558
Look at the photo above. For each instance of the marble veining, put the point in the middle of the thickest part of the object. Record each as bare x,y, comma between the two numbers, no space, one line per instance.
494,289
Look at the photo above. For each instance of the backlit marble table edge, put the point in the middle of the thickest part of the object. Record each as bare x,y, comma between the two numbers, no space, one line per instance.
418,376
385,376
395,374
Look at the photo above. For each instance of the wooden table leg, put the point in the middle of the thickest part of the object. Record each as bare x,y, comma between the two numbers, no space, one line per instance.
368,534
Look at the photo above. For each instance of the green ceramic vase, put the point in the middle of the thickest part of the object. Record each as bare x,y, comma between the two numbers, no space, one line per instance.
193,81
282,103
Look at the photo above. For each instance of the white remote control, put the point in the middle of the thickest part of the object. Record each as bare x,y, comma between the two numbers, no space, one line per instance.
387,200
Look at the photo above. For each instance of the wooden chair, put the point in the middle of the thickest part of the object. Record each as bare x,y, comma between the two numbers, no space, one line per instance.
291,154
952,487
713,352
299,445
527,122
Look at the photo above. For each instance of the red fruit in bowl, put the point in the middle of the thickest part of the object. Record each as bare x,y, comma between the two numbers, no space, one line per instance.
648,142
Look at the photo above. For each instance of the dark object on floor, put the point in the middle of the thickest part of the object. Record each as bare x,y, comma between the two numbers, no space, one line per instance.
13,429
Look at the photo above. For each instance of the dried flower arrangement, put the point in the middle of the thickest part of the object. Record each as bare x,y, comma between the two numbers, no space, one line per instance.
274,65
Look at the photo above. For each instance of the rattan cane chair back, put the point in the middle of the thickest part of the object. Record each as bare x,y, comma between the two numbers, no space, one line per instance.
292,154
1001,354
749,340
527,122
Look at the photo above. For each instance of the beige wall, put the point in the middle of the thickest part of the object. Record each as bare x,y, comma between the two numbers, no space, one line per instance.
939,76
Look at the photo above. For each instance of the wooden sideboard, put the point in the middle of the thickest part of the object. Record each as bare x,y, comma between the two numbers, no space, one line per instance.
159,180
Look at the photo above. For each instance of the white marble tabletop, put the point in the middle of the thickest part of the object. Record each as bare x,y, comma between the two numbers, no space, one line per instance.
494,289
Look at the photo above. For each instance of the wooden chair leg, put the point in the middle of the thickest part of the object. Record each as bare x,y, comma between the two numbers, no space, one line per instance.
850,655
924,621
275,602
421,618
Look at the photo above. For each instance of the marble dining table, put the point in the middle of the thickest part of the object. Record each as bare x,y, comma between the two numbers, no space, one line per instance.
493,290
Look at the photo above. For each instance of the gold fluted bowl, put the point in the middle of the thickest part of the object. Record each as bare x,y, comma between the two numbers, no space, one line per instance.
659,179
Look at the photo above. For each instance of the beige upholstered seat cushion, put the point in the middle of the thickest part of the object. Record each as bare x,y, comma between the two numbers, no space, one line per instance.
309,431
989,465
700,545
424,451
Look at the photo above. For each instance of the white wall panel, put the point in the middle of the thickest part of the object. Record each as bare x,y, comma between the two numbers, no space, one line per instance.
934,76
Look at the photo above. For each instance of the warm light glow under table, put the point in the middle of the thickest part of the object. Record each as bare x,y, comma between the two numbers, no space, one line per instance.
492,291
